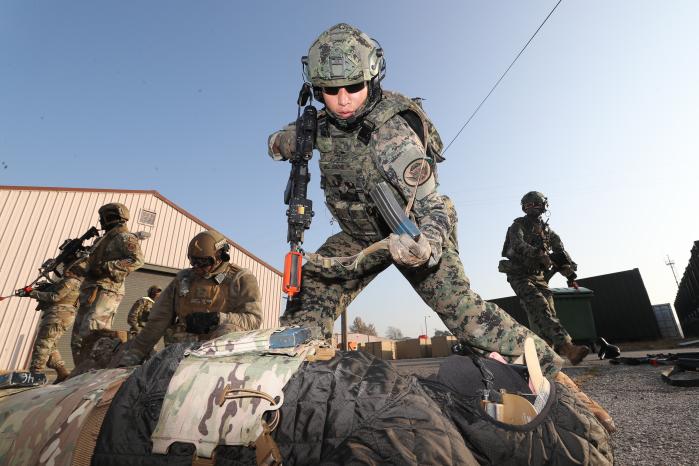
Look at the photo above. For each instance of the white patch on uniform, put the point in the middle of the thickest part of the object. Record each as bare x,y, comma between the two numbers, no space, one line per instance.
417,172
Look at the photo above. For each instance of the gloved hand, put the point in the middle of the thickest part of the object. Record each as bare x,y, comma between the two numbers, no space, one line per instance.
281,145
407,252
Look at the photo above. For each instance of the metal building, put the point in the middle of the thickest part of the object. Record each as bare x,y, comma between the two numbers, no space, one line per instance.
668,323
34,221
687,300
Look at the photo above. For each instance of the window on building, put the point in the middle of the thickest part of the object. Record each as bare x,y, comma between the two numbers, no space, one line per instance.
147,217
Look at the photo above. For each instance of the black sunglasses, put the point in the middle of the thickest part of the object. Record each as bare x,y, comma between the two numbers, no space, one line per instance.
198,262
351,89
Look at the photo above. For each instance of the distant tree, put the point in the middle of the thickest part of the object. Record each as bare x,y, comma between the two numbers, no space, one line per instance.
442,333
394,333
358,326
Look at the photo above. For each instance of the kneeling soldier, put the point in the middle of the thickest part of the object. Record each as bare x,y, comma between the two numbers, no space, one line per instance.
210,299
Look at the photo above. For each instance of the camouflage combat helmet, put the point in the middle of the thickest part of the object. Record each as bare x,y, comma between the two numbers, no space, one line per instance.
534,199
112,214
341,56
152,290
208,244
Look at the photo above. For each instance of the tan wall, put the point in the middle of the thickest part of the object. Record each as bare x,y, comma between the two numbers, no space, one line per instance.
35,221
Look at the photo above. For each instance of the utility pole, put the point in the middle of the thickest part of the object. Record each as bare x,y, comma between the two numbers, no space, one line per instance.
671,263
426,335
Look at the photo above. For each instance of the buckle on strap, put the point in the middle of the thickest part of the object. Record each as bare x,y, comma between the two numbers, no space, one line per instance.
364,134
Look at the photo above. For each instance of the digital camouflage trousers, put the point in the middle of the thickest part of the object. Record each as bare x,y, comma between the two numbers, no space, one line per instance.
54,322
326,293
93,320
537,300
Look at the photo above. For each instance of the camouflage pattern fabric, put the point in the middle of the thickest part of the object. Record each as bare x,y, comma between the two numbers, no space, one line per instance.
58,303
191,414
537,300
234,343
97,310
41,426
326,293
138,315
54,322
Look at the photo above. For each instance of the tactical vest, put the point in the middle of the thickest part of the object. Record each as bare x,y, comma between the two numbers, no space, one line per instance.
204,295
103,253
350,168
536,234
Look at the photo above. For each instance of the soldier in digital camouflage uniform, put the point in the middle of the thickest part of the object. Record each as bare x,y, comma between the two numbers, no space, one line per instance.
116,254
140,310
58,303
365,136
210,299
529,245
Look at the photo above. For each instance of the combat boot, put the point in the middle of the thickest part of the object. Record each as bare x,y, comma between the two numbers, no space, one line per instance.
61,373
600,413
574,353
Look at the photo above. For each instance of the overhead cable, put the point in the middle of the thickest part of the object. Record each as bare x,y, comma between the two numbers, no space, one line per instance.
502,76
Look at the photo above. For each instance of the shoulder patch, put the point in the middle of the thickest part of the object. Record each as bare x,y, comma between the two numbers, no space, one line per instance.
417,172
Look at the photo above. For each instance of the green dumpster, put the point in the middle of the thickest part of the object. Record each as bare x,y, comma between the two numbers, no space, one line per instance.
574,309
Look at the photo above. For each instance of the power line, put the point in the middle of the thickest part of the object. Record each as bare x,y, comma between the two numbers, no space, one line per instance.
502,76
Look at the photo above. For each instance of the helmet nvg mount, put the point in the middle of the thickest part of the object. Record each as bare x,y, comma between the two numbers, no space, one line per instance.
341,56
534,200
209,244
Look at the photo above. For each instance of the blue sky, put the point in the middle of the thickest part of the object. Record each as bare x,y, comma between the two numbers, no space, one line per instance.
600,113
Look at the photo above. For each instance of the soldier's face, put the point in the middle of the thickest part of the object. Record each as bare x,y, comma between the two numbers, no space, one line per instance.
346,100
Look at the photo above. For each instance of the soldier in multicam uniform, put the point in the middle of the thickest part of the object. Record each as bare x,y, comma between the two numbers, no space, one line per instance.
112,259
138,315
58,302
529,245
365,136
210,299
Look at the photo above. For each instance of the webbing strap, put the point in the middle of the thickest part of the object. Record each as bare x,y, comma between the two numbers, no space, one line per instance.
85,446
348,262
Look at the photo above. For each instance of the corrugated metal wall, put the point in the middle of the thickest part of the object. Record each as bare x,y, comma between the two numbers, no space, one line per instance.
687,300
35,221
620,306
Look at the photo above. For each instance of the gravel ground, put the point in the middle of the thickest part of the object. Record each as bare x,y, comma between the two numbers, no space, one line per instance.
657,423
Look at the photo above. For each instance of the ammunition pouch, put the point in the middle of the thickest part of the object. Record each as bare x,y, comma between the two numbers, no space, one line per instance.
201,323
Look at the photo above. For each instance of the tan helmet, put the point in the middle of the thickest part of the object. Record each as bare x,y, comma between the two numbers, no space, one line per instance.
209,243
113,213
152,290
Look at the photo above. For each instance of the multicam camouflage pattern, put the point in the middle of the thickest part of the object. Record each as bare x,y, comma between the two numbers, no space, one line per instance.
138,315
96,313
190,411
341,56
53,324
58,303
326,293
42,425
236,342
526,243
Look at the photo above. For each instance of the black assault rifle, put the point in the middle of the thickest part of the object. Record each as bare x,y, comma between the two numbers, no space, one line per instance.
71,249
300,211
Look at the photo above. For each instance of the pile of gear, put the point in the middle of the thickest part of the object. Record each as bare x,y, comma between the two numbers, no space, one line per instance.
280,396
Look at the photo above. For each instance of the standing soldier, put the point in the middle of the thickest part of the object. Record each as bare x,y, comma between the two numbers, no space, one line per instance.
138,315
534,251
58,301
113,258
210,299
367,136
